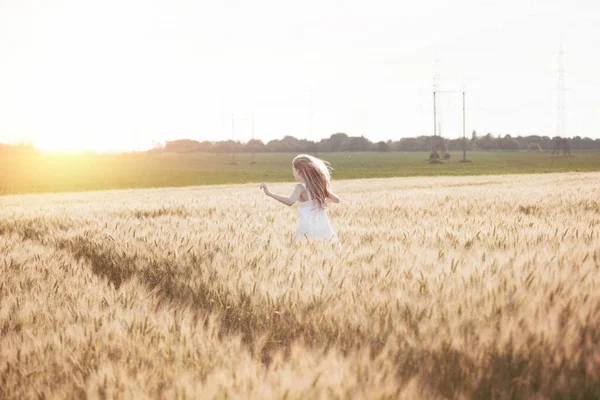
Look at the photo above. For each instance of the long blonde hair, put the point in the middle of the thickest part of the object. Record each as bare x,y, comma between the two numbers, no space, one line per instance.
317,175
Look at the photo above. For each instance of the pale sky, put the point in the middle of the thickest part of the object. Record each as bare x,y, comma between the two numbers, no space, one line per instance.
124,74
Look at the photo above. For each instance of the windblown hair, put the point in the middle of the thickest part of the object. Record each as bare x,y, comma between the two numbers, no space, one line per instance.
317,175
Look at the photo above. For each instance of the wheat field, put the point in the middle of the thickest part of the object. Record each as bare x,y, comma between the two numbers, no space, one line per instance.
448,287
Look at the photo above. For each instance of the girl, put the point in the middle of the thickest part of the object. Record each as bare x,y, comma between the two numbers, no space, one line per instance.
312,194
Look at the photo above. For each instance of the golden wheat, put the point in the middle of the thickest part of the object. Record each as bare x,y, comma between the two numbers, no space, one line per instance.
464,287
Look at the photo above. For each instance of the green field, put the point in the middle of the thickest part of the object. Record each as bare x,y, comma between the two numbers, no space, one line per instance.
97,172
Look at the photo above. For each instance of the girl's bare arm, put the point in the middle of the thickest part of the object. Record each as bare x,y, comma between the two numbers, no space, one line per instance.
288,201
333,197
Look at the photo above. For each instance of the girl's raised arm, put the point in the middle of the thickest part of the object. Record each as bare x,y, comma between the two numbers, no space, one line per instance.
333,197
288,201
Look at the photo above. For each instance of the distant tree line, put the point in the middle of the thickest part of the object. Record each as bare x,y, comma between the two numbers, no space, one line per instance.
343,142
21,149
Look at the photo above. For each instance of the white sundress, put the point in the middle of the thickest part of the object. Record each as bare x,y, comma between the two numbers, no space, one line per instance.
313,223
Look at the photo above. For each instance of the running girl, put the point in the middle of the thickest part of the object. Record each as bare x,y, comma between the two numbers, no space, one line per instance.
312,194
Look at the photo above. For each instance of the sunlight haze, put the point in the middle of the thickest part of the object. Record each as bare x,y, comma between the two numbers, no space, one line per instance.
126,75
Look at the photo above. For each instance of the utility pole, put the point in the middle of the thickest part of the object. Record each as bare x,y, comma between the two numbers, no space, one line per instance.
434,115
233,139
560,111
437,87
310,119
253,143
464,130
310,112
464,119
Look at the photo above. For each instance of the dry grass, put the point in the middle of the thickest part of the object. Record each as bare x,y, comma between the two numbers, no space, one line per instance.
465,287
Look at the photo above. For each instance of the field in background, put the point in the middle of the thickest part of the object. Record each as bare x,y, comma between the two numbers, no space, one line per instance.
99,172
445,287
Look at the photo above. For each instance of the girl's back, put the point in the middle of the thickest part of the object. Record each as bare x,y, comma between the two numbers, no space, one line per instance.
313,222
